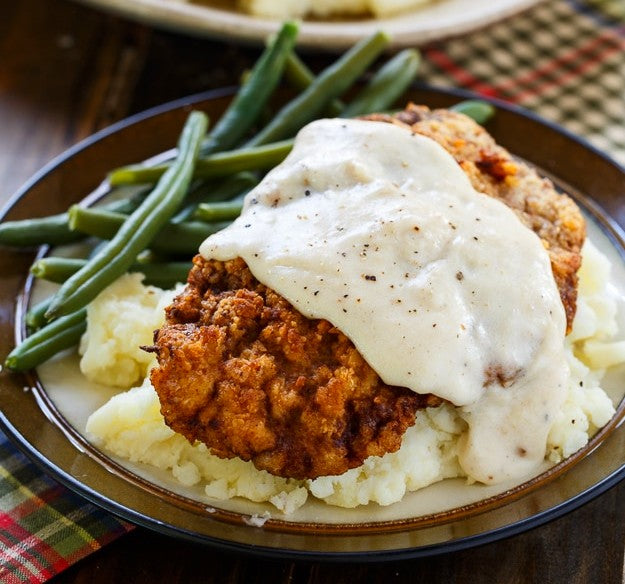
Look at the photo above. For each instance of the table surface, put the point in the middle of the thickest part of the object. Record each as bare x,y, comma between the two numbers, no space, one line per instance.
67,71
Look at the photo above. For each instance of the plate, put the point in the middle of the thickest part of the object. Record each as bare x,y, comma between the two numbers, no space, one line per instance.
212,18
45,421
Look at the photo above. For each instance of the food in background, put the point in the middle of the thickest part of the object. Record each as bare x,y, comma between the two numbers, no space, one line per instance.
280,9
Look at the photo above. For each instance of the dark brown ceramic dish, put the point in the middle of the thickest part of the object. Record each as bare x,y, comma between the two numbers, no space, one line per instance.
32,420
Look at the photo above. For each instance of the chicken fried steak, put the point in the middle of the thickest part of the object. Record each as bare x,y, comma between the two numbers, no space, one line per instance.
244,372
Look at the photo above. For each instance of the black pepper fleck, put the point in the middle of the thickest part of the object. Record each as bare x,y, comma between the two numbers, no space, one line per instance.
459,276
370,278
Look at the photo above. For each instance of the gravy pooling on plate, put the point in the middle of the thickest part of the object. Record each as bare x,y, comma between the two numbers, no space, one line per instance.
442,289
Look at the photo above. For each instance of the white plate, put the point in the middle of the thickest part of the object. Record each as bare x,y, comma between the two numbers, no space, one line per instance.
442,19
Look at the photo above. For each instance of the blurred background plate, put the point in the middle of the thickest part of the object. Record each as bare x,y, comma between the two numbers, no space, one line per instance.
442,19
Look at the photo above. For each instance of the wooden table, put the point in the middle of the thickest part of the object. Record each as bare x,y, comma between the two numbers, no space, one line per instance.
67,71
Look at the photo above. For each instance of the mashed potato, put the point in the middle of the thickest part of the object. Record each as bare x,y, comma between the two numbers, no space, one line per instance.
130,424
122,320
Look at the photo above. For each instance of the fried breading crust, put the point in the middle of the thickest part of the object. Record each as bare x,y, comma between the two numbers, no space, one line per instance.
553,216
242,371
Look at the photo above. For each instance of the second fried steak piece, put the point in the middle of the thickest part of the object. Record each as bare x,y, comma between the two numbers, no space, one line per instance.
242,371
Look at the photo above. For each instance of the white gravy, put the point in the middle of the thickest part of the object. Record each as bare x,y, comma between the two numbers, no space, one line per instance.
442,289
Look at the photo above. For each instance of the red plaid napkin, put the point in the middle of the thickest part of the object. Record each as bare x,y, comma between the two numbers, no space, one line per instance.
44,528
564,59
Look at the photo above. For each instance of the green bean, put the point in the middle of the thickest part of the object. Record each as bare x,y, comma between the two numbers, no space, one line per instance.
300,77
140,227
214,166
232,187
184,238
386,86
253,95
35,317
30,232
297,73
61,334
161,274
53,230
173,238
478,110
96,222
56,269
218,211
244,159
331,83
225,190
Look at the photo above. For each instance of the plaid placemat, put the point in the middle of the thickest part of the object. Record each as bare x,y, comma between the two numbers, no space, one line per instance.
44,528
564,60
